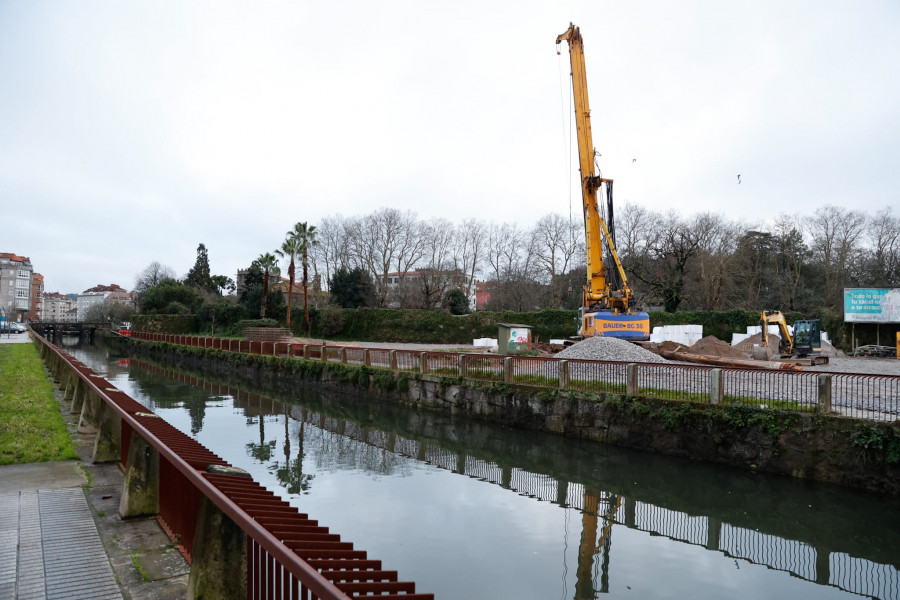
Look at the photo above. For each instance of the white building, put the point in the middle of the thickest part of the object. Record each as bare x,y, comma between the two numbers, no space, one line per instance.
58,308
97,295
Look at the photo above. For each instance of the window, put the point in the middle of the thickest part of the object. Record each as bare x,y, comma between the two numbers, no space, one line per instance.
22,283
21,293
23,273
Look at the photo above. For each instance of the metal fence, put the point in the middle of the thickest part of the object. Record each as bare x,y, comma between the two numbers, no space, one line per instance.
288,554
858,396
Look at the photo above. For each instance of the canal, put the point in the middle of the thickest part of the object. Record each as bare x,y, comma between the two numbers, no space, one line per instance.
470,510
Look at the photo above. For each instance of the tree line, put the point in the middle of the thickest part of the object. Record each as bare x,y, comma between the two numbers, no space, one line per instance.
391,258
675,262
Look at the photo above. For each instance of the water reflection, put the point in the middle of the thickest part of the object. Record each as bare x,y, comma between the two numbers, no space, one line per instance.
718,524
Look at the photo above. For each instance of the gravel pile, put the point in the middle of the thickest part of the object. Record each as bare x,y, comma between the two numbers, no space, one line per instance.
607,348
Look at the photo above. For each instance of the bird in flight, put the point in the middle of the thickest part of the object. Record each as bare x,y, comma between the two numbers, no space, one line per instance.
739,178
634,160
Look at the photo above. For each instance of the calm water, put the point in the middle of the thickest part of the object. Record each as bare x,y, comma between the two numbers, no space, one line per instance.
470,511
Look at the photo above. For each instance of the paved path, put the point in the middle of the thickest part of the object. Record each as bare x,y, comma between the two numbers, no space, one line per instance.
51,548
61,536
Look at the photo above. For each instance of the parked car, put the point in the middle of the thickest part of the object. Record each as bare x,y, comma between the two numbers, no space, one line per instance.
21,327
9,328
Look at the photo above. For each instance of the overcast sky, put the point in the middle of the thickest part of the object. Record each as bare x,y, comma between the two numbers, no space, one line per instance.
130,132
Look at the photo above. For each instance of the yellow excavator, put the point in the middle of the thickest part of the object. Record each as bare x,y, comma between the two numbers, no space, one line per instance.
806,340
607,306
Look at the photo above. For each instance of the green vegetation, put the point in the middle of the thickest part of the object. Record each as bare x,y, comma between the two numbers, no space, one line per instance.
144,575
31,426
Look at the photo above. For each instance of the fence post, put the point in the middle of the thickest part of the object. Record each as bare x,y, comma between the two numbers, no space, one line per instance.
464,366
305,351
393,355
367,359
219,559
344,354
631,379
824,394
423,363
140,492
563,374
78,397
508,369
716,387
108,443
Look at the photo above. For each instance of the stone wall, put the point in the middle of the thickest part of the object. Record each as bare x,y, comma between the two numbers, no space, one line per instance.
837,450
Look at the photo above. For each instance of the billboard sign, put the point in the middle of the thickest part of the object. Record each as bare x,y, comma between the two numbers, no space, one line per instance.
871,305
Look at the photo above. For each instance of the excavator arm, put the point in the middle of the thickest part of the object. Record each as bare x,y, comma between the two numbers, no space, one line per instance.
598,295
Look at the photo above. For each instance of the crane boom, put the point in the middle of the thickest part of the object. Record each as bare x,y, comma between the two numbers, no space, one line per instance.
605,310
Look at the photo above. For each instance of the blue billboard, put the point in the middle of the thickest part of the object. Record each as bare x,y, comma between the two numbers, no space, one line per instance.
871,305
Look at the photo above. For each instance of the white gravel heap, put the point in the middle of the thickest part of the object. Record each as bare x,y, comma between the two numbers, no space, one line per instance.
607,348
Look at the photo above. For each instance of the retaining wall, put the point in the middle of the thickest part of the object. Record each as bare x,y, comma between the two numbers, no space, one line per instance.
837,450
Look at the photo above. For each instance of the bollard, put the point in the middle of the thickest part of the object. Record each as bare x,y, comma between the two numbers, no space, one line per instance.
140,492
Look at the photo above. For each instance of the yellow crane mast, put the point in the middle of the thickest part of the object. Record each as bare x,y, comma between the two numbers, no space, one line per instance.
606,309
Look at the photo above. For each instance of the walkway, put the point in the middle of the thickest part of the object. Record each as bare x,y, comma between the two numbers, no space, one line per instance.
50,548
61,536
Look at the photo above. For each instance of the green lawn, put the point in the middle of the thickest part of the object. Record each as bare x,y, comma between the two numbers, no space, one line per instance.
31,426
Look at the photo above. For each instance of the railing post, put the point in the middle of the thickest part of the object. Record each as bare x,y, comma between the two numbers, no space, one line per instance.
716,386
508,369
423,363
78,396
464,366
108,443
824,407
140,492
344,355
90,411
631,379
563,374
219,557
367,360
393,360
305,351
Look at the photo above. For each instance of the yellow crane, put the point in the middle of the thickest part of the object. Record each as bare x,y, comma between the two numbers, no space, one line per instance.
607,302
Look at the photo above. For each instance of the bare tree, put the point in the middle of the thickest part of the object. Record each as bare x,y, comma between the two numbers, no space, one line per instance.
835,241
154,274
468,249
333,250
557,243
883,257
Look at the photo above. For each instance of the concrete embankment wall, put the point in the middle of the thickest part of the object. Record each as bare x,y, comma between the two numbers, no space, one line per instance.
837,450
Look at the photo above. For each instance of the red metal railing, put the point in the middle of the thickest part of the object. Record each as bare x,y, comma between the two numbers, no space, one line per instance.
289,555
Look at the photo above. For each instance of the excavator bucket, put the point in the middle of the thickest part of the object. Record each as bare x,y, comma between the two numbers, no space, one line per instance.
762,352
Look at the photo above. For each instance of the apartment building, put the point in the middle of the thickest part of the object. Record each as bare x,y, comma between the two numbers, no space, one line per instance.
59,308
15,286
99,294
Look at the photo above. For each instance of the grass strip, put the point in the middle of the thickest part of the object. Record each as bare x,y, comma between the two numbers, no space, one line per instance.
31,426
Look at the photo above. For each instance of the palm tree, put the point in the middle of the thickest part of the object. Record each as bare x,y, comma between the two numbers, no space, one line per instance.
307,237
289,250
269,264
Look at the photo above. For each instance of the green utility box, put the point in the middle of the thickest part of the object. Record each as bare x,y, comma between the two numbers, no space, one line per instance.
514,339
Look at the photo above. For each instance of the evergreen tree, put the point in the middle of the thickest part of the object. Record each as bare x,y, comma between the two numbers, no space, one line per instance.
352,288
